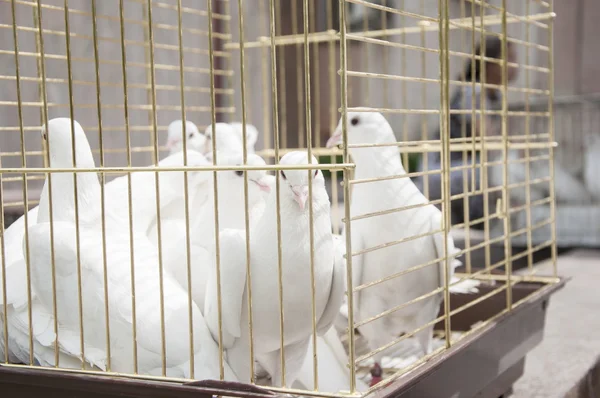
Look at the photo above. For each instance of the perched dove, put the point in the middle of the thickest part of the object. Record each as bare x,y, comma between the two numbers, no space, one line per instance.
17,302
195,139
231,205
228,138
380,235
171,194
295,260
251,135
90,332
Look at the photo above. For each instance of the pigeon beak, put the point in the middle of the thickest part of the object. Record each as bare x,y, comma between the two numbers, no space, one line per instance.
335,139
300,195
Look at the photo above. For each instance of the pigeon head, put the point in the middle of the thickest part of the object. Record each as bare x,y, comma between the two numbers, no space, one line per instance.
363,128
59,136
233,180
226,140
195,140
251,133
295,182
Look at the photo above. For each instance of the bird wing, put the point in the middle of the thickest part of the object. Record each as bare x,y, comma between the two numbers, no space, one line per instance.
466,286
66,288
233,268
337,289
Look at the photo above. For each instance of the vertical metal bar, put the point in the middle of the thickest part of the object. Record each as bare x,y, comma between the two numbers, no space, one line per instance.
317,76
186,205
213,116
505,191
41,88
283,78
157,191
347,215
365,57
102,182
129,195
24,179
331,62
75,189
465,154
245,161
42,66
264,67
424,128
445,137
300,114
308,120
551,135
386,53
3,275
277,182
483,180
404,88
527,141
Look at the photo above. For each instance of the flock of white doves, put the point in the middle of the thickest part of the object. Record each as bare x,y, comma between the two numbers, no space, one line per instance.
113,258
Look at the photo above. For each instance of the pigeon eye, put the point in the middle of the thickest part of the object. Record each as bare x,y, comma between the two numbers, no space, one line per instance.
239,173
191,135
354,121
316,172
283,175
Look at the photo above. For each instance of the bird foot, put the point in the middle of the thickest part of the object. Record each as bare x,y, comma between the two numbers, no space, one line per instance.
376,374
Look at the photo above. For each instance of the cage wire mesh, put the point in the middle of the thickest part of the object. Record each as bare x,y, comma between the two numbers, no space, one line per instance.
466,86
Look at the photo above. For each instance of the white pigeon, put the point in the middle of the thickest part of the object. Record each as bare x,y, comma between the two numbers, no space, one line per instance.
251,135
148,341
231,205
171,195
195,139
295,259
228,139
592,166
380,234
17,303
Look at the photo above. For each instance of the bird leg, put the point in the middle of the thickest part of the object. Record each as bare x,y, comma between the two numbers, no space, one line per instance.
376,374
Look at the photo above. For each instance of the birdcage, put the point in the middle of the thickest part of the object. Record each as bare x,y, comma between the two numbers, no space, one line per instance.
305,74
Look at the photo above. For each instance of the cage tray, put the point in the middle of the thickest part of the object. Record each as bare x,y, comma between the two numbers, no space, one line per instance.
488,361
484,364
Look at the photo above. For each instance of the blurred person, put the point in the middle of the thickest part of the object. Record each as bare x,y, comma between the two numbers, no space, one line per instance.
464,126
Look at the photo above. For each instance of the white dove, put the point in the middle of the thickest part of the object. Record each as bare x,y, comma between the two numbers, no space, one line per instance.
16,280
120,309
231,203
228,139
381,232
295,259
171,194
195,139
251,135
592,166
